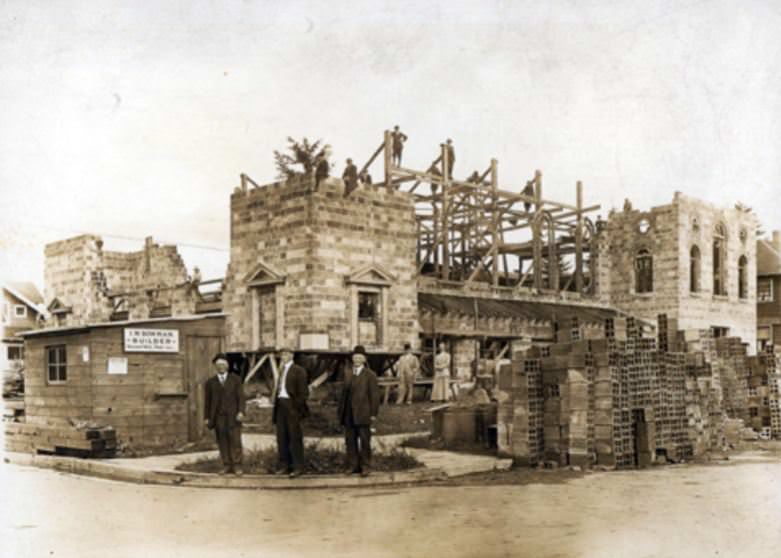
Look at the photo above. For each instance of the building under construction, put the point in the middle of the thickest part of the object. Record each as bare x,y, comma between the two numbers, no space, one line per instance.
421,257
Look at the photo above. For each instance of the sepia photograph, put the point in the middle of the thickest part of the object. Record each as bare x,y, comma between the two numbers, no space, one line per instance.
446,278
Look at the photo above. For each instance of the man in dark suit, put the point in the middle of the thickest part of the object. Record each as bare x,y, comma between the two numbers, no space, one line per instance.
291,390
224,407
358,408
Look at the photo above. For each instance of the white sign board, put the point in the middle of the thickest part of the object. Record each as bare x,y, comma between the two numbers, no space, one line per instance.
138,340
117,365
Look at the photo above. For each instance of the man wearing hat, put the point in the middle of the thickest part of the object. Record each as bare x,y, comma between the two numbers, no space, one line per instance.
358,408
224,407
290,392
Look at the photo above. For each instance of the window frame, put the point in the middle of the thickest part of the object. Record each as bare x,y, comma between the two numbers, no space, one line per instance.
60,365
19,348
376,307
23,314
769,281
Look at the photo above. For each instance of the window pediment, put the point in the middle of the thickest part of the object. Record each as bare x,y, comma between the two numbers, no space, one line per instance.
372,275
56,306
263,275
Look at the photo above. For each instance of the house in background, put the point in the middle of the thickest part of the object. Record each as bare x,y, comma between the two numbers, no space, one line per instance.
769,291
22,310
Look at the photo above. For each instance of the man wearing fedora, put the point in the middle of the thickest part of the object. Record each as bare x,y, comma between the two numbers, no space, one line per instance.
358,407
224,404
291,390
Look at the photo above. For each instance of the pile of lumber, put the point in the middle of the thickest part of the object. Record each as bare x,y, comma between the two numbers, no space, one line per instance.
94,442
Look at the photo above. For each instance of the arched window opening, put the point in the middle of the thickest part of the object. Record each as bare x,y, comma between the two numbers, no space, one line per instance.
719,257
743,277
644,272
694,270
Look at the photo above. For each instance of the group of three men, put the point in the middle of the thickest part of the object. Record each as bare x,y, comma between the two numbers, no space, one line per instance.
358,407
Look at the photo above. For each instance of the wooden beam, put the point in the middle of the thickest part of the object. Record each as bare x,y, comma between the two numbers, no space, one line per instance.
579,239
372,158
388,143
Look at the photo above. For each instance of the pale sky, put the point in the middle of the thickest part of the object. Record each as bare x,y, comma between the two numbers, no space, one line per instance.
130,119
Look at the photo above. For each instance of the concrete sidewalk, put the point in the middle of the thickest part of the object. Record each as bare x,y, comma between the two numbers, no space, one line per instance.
161,469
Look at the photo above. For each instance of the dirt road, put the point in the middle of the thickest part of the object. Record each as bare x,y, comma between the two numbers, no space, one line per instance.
732,509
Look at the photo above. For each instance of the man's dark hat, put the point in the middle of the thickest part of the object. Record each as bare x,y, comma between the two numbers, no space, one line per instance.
286,348
220,356
359,350
407,346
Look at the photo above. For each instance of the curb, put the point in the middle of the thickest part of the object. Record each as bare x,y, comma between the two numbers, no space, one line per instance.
107,470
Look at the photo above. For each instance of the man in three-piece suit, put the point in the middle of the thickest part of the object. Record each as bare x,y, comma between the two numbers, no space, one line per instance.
358,407
291,390
224,408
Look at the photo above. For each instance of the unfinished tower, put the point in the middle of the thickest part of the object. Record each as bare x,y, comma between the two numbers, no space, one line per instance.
319,270
690,260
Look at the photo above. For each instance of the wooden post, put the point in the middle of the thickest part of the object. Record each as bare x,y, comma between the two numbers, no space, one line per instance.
579,240
494,224
445,224
388,158
537,231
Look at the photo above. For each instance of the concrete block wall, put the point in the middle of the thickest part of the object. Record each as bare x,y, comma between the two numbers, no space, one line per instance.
315,240
79,273
673,230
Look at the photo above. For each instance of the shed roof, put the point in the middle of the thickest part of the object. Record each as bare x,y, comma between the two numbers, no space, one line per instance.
87,327
524,309
768,258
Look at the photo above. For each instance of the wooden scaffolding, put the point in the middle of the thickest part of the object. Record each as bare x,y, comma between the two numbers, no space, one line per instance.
475,231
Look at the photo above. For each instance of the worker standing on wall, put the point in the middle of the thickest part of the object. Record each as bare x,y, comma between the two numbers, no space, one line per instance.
350,176
408,367
398,138
224,404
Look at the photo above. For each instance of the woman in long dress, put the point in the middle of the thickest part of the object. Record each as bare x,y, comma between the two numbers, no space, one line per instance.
441,389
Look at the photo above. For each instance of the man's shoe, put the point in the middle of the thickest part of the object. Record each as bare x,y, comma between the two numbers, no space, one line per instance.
238,471
294,474
281,471
350,471
226,470
365,472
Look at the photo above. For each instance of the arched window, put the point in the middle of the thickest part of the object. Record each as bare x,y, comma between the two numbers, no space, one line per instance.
694,270
719,257
743,277
644,272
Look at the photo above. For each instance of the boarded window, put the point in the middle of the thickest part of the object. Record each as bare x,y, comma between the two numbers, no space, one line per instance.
694,269
644,272
743,277
267,317
56,363
765,290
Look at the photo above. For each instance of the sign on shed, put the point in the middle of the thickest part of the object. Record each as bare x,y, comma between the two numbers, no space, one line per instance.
141,340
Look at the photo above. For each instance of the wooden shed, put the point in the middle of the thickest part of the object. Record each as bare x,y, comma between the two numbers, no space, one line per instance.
144,378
